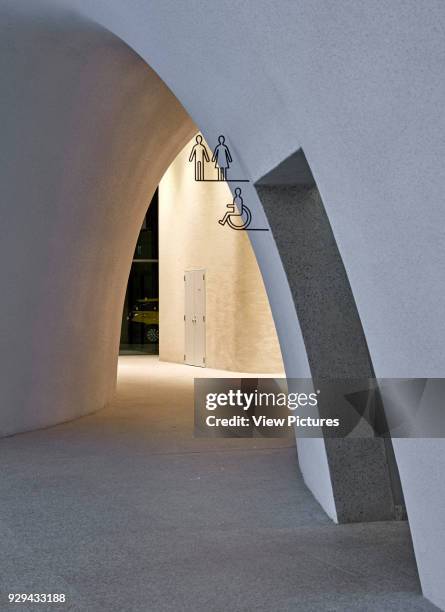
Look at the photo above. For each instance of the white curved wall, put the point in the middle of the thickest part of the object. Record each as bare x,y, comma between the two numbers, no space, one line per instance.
87,131
360,86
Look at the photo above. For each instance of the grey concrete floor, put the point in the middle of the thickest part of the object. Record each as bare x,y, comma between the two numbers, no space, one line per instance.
126,511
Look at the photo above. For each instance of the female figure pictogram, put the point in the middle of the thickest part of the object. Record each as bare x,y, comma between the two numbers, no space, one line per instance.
222,158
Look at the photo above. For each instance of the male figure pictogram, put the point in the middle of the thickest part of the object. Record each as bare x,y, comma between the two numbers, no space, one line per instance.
199,155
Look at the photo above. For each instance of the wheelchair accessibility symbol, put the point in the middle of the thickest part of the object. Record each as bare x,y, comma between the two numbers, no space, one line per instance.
239,216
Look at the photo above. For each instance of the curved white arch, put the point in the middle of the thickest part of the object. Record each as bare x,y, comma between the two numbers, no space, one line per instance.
359,85
85,122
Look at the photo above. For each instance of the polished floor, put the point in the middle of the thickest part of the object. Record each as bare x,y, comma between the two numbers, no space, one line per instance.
126,511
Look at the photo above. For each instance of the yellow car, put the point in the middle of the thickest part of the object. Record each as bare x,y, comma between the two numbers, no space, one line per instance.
146,312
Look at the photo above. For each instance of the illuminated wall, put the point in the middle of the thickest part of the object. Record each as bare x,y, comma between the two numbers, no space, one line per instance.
240,330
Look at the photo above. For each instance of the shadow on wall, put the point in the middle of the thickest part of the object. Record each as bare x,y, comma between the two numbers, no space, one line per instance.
363,471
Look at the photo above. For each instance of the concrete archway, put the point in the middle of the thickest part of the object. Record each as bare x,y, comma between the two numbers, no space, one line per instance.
94,156
91,132
365,95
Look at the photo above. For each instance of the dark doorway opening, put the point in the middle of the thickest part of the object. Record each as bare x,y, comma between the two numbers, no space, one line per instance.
140,317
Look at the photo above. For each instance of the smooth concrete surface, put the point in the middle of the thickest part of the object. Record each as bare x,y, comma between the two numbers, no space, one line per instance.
87,138
125,510
358,85
88,131
415,462
240,331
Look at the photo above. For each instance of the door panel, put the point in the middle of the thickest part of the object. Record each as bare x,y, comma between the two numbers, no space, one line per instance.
189,312
200,330
194,317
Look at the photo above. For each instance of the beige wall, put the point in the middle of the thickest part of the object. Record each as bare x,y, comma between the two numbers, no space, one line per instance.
240,330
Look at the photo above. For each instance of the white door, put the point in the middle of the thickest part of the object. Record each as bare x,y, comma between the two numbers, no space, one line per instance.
195,318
